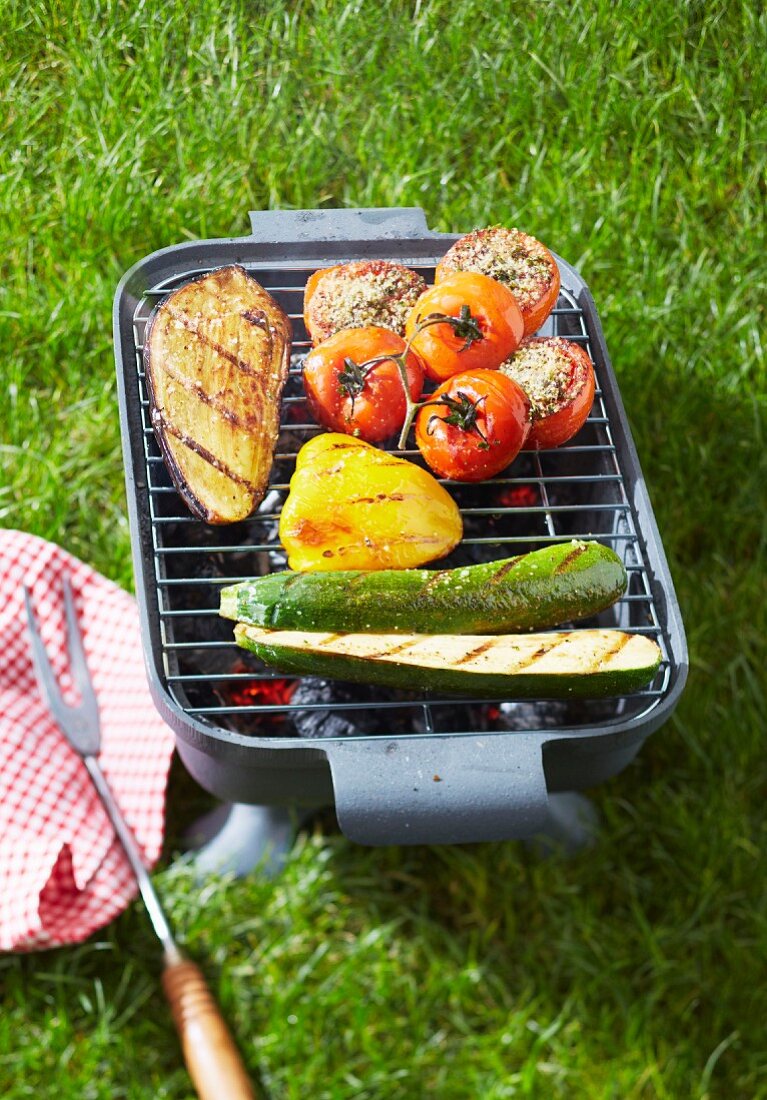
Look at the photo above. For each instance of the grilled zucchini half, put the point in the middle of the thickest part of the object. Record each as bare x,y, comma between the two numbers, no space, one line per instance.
556,665
565,581
216,357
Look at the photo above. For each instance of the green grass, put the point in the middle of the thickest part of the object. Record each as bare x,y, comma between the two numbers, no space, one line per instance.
631,137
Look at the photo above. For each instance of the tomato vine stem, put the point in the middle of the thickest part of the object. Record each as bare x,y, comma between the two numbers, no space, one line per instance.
462,413
464,326
352,379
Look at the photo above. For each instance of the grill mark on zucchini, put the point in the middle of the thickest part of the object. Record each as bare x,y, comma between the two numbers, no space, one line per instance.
477,651
392,649
611,652
359,578
241,364
434,579
505,568
571,557
291,581
193,445
541,651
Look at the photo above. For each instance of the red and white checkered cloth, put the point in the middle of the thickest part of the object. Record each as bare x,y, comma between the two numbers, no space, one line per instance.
63,873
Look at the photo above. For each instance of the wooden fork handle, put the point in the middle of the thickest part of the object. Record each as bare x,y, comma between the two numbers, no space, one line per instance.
211,1057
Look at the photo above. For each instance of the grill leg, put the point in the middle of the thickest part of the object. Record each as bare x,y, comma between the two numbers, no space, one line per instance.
234,838
572,826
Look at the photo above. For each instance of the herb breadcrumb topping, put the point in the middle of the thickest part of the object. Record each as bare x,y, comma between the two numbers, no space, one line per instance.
545,370
371,292
514,258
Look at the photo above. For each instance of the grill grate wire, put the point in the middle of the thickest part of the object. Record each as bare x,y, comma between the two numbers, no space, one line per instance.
587,471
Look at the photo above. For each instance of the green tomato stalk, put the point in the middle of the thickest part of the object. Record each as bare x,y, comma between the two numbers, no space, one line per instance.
462,413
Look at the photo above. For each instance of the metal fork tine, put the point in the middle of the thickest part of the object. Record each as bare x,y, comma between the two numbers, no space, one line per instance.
46,677
80,725
77,661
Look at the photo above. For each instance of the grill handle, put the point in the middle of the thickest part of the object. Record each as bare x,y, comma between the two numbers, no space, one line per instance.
440,790
354,224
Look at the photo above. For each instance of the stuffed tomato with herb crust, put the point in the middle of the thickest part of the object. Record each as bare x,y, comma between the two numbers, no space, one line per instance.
468,321
353,385
473,426
519,261
358,294
558,378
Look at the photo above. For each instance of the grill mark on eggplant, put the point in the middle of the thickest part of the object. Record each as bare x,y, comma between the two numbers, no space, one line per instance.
201,452
235,360
569,558
193,388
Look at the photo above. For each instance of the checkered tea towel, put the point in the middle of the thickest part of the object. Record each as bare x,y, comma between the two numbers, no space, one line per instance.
62,871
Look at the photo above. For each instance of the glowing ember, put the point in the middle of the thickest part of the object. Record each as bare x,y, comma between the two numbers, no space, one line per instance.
520,496
258,693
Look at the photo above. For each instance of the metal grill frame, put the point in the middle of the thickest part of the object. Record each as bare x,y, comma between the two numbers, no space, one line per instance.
281,252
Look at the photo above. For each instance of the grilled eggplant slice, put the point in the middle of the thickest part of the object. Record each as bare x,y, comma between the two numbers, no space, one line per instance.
216,357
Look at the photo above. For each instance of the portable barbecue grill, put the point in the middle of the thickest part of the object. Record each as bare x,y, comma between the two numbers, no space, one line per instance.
399,767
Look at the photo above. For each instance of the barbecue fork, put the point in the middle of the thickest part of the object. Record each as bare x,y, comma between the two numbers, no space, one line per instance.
211,1057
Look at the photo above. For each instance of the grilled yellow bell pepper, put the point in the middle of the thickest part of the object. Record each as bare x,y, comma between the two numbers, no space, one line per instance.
353,506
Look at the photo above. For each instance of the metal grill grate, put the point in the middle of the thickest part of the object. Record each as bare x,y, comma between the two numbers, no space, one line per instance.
575,491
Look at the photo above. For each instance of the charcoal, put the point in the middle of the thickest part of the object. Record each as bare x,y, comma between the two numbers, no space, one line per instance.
367,719
324,723
343,723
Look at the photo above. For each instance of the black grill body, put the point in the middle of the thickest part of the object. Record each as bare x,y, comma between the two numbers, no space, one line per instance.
412,768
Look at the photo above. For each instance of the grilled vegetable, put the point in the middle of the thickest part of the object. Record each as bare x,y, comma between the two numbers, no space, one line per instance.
354,295
467,321
534,591
475,424
515,259
558,377
353,506
347,395
558,665
216,357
